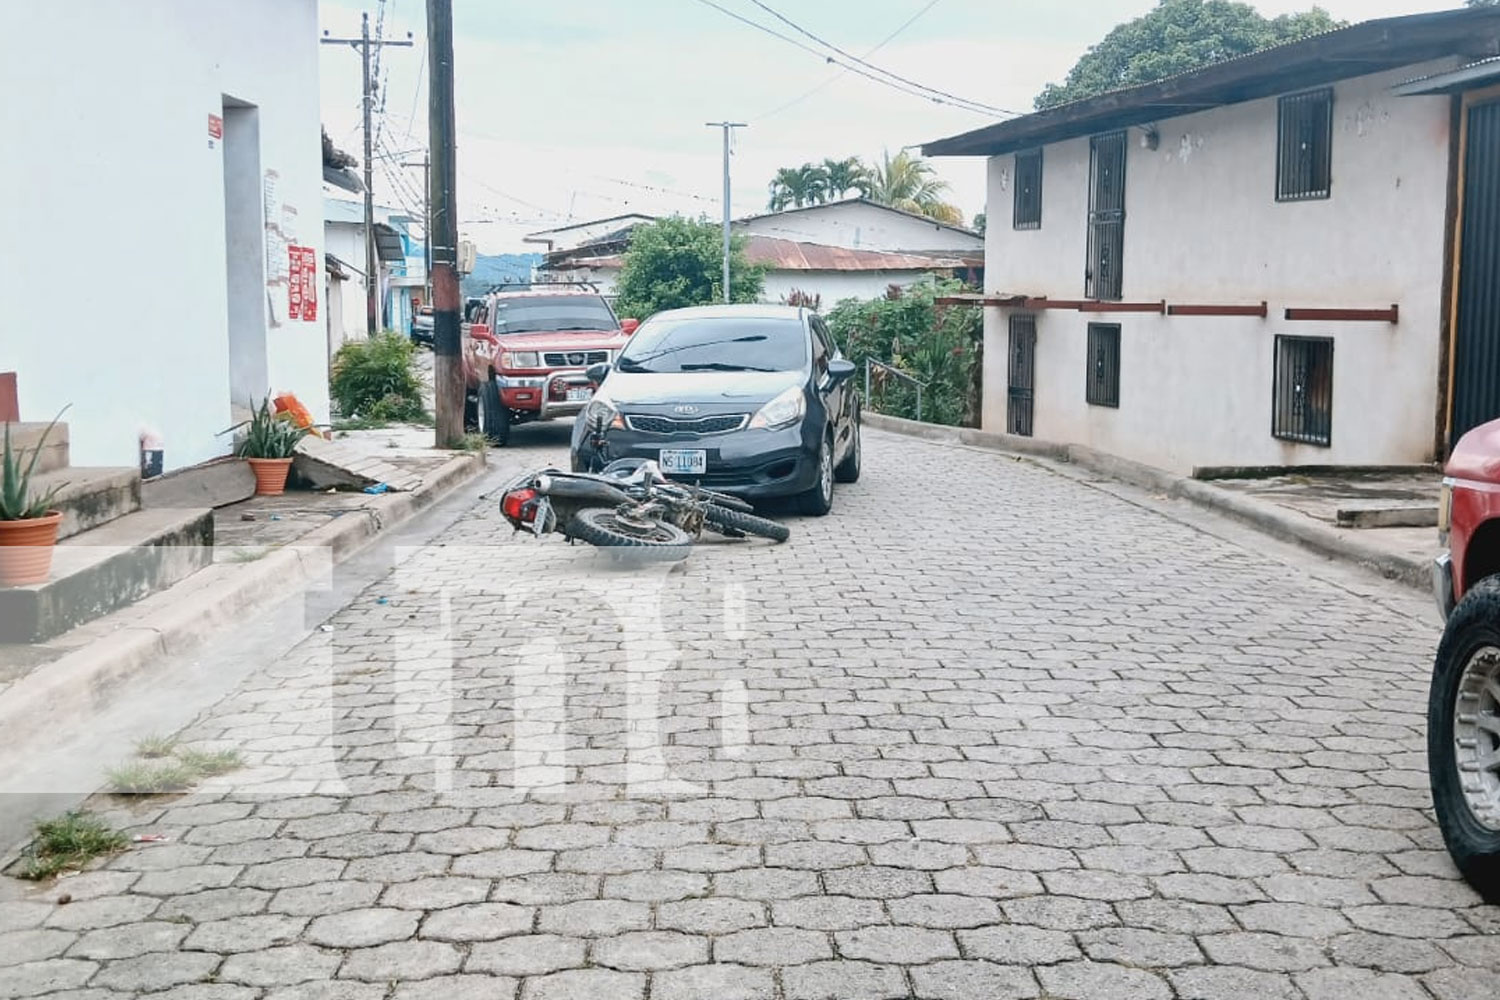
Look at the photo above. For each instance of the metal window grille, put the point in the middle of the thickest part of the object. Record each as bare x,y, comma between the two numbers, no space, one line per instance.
1102,385
1304,146
1302,397
1103,277
1021,384
1028,202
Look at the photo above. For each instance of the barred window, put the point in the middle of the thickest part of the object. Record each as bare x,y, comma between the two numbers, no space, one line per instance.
1304,146
1102,276
1028,205
1302,397
1102,381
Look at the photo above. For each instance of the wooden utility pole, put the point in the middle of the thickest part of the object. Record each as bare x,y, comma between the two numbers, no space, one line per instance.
448,375
372,266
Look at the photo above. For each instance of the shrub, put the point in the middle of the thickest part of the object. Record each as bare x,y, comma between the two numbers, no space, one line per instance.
376,379
935,344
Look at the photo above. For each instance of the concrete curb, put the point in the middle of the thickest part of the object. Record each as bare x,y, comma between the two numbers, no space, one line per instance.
205,602
1265,517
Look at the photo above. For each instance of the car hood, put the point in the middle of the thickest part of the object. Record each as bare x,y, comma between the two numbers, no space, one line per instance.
705,388
572,340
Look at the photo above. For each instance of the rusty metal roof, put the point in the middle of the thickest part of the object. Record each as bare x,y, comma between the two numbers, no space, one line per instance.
790,255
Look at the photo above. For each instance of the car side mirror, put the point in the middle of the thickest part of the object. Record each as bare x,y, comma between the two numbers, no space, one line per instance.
628,326
841,369
597,372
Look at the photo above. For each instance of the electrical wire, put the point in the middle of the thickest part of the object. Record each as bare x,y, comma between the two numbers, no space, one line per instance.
844,72
956,102
884,72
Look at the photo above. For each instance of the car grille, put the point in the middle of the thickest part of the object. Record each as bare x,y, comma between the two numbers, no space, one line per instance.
576,359
717,424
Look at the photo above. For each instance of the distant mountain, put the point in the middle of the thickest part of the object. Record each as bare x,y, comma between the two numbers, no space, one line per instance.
492,269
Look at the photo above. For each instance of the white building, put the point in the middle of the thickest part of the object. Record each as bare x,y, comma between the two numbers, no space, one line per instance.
848,249
1256,263
400,274
181,138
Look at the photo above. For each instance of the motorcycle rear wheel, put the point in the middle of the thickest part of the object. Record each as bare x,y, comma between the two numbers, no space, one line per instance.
605,529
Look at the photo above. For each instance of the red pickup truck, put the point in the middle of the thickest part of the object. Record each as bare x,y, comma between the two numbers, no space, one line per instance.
1463,707
527,350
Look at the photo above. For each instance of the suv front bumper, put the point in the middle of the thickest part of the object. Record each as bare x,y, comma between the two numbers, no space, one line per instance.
1442,584
535,393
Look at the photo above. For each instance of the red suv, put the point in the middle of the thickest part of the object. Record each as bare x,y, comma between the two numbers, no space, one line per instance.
528,350
1463,707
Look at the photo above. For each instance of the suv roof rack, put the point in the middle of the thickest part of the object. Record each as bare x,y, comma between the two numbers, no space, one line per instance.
512,286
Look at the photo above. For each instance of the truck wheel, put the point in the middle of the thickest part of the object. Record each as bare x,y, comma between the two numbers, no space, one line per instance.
471,413
1463,738
818,501
847,471
495,416
657,541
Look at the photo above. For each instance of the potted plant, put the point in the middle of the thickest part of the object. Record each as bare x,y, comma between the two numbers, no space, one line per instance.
28,524
268,445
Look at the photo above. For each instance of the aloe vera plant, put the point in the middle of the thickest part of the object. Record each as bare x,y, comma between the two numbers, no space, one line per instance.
17,501
270,435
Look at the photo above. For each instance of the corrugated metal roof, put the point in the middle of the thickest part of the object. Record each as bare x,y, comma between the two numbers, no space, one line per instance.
790,255
1371,47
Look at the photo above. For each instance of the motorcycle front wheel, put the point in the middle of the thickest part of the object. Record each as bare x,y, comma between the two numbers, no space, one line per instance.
723,518
645,541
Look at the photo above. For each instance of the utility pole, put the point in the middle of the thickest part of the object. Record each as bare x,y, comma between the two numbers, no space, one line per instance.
372,269
426,166
728,128
447,334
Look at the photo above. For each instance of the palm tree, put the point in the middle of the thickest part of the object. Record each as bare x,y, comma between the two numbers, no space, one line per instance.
799,186
906,182
846,175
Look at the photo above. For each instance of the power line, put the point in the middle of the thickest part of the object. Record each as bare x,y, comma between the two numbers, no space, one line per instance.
885,72
843,72
960,103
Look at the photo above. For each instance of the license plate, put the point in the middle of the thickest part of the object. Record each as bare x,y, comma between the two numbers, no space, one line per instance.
580,395
683,462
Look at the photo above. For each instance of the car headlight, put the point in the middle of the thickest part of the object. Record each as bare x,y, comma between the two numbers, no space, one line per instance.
787,408
519,359
601,411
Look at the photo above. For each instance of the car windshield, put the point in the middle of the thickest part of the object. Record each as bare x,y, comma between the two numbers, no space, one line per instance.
721,344
551,314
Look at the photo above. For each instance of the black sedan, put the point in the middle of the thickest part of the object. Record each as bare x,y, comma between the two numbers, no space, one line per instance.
752,400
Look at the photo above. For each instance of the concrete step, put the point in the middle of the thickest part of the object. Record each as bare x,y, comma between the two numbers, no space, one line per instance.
26,434
107,568
91,497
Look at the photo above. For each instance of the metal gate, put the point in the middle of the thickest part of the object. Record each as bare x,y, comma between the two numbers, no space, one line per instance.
1476,353
1022,379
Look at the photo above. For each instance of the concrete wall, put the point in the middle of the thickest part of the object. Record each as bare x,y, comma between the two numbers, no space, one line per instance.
1203,226
861,226
119,197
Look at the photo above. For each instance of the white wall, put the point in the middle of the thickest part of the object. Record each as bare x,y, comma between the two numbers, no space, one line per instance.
1203,226
346,241
861,226
835,286
118,195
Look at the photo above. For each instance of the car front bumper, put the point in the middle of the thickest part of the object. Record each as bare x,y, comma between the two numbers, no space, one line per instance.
538,393
1442,585
753,463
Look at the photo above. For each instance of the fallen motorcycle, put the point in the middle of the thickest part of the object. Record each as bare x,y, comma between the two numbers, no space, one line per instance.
631,509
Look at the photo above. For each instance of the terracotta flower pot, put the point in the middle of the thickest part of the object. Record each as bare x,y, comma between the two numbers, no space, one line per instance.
270,475
26,549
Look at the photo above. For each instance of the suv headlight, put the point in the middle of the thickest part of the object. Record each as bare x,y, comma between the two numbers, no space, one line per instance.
601,410
519,359
787,408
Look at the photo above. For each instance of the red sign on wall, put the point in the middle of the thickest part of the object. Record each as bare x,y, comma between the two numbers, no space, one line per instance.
294,282
309,283
215,127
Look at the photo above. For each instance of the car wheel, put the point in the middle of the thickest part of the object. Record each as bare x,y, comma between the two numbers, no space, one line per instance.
818,501
495,416
847,471
1463,738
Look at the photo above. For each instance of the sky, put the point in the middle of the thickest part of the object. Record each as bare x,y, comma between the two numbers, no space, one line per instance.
581,110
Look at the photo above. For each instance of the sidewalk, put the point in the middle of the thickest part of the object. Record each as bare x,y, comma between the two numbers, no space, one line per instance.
265,549
1300,508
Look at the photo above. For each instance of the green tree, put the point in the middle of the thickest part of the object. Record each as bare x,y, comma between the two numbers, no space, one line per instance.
907,182
1175,37
799,186
978,224
843,176
677,262
1483,3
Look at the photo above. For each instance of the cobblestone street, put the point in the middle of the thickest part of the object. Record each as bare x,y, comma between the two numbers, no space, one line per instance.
986,732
